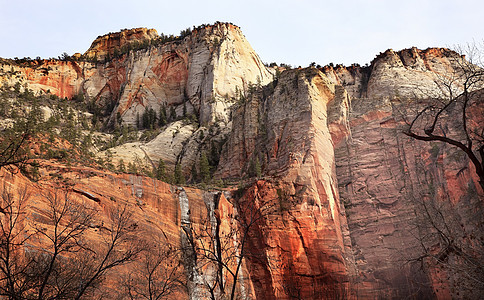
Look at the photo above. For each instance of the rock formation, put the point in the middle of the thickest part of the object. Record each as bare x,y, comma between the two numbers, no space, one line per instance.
109,44
199,74
344,184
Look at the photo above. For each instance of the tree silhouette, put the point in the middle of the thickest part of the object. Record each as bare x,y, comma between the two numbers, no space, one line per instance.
455,115
220,244
54,259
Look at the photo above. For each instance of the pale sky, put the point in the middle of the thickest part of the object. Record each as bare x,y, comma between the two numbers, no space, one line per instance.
295,32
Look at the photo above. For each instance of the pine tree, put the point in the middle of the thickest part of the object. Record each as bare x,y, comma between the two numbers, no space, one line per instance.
151,118
258,169
194,173
121,167
145,122
255,169
162,118
204,168
172,114
178,175
214,154
132,168
160,170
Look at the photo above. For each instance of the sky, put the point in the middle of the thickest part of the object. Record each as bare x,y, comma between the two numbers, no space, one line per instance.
295,32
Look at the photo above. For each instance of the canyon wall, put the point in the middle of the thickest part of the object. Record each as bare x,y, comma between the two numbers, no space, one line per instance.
285,128
387,180
198,75
340,190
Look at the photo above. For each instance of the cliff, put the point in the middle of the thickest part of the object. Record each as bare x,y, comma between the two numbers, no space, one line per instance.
285,128
112,43
198,75
391,185
329,199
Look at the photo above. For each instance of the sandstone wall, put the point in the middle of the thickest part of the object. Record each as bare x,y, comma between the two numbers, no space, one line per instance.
387,180
346,186
285,128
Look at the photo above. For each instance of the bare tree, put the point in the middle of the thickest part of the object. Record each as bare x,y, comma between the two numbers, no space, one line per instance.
449,233
15,279
12,152
57,261
454,116
157,274
221,245
69,222
118,248
451,245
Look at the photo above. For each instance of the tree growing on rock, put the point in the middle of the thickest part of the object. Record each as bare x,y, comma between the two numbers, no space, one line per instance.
204,168
160,172
14,140
255,169
162,119
178,176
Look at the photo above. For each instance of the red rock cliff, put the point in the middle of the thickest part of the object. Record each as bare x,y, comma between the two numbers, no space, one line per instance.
286,129
346,186
109,44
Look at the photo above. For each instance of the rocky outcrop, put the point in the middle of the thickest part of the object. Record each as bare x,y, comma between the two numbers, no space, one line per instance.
200,75
409,73
61,78
112,43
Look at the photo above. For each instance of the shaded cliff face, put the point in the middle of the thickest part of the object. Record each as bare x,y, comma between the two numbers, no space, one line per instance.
393,186
387,182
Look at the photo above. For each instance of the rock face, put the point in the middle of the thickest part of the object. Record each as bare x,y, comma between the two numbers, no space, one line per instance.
152,205
344,186
108,44
308,233
199,74
386,178
62,78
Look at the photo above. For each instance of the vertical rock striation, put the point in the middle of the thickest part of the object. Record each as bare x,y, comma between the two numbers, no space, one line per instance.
388,180
285,128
